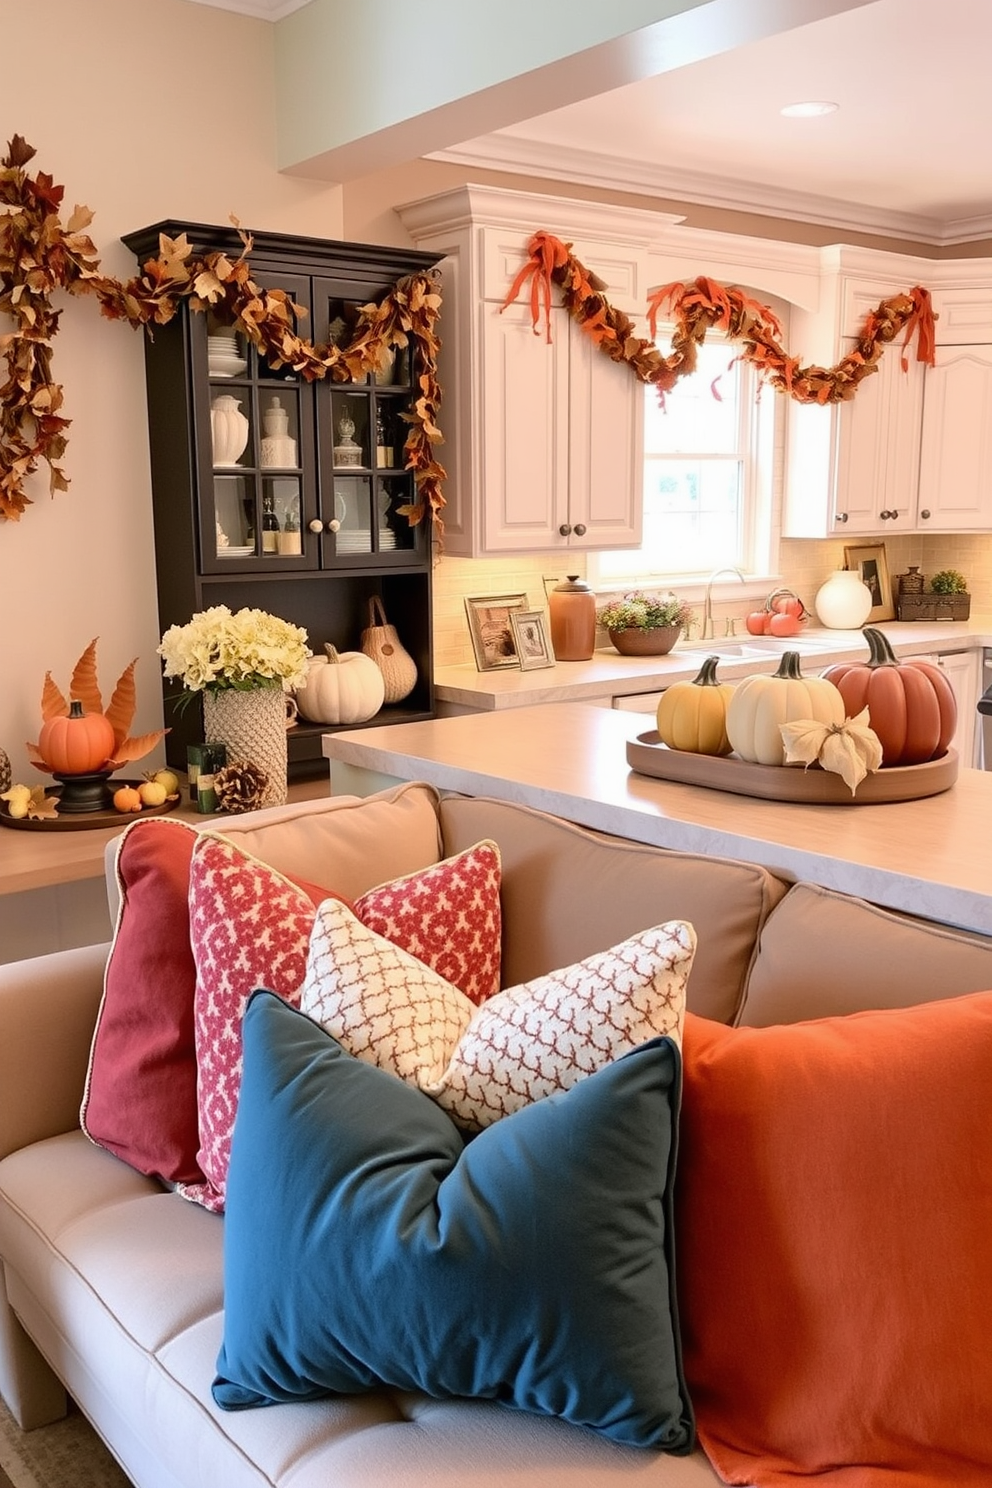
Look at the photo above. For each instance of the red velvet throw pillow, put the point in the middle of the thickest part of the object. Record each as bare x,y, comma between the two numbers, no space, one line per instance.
140,1097
834,1237
140,1100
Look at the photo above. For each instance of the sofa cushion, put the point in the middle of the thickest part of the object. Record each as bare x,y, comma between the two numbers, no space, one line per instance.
523,1044
140,1094
250,927
834,1204
610,889
531,1266
866,957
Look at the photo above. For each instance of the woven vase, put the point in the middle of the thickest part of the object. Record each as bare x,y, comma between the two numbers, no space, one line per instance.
253,726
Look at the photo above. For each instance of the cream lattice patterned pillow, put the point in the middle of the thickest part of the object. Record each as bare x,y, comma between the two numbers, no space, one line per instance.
481,1063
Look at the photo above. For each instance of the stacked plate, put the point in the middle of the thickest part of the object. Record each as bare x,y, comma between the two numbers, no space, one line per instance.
353,542
223,356
387,539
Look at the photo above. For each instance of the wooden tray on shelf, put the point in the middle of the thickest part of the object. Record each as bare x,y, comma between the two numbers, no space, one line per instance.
78,821
812,787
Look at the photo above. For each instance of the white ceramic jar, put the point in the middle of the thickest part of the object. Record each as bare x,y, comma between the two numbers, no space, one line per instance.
228,430
843,602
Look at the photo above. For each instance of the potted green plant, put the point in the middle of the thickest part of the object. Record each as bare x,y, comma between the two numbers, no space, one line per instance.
640,624
954,601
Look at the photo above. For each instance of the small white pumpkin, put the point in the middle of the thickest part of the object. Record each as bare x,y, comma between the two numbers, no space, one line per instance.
341,687
761,704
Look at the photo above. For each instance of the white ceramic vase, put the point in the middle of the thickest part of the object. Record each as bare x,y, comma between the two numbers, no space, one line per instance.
228,429
843,602
252,724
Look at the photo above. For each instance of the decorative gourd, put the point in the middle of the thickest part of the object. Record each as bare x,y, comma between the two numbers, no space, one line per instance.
341,687
761,704
911,704
693,715
76,743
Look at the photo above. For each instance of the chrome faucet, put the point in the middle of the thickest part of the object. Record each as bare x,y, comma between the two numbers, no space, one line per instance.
708,604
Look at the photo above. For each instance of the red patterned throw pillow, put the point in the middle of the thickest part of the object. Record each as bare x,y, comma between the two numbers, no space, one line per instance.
250,927
522,1044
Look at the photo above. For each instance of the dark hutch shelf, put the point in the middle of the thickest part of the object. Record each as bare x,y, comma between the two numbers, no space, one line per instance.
285,496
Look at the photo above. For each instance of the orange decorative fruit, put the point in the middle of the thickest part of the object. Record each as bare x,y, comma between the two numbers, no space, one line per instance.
127,798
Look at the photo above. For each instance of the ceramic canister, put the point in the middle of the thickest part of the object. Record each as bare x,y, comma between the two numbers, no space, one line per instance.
229,430
572,612
843,602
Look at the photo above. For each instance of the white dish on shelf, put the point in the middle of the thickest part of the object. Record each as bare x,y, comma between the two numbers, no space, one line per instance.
236,552
225,366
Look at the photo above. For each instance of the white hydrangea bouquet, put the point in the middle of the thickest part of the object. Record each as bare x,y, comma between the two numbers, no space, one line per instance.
218,650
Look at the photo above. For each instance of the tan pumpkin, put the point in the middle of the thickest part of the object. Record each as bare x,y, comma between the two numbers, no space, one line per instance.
76,743
911,704
761,704
341,687
693,715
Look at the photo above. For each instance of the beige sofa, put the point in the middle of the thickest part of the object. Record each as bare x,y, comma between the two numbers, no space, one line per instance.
113,1287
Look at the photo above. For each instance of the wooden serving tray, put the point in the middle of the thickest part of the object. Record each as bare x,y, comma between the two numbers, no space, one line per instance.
815,786
80,821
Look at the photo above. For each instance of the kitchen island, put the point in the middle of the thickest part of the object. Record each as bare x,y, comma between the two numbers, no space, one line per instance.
930,857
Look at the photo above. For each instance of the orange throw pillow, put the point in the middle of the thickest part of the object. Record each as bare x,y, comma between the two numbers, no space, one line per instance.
834,1239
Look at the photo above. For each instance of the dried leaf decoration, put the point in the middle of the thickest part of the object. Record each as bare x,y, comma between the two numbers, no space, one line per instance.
40,806
39,256
86,688
850,749
704,305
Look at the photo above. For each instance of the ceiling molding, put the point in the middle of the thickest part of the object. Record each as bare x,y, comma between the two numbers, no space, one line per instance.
587,168
259,10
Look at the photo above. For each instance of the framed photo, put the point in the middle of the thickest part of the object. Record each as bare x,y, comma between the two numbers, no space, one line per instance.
491,631
871,566
531,639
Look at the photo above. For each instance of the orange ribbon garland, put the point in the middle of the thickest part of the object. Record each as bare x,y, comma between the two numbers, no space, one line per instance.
704,305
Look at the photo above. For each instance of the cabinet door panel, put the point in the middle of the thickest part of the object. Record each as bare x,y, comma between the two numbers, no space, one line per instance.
525,431
956,453
606,449
878,449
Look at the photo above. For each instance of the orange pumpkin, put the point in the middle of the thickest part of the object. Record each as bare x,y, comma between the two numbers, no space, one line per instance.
911,705
76,743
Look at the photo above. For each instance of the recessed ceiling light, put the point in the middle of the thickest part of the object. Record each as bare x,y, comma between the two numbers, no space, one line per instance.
811,110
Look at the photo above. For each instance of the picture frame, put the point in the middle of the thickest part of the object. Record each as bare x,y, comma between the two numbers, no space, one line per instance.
490,629
869,562
531,639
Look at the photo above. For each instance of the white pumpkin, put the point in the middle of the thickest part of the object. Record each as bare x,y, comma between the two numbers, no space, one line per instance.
341,687
761,704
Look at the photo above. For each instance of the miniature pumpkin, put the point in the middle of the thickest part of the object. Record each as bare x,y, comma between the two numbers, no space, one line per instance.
76,743
911,704
693,715
761,704
341,687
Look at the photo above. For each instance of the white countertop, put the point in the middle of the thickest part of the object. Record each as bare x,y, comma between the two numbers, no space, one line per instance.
609,674
931,857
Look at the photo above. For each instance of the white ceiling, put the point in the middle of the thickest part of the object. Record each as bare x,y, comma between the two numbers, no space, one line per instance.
907,153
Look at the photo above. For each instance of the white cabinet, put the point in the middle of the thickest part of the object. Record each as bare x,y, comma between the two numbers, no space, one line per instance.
543,443
963,670
560,455
955,481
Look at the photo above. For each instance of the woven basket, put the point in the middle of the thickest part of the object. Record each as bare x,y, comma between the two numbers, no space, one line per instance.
382,644
931,606
252,724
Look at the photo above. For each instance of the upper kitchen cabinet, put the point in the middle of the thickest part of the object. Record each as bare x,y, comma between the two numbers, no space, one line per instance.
910,451
274,493
543,443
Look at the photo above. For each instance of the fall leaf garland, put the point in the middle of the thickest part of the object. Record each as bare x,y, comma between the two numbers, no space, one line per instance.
704,305
38,256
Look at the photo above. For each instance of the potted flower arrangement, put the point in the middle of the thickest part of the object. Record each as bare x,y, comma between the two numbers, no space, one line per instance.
242,665
947,598
640,624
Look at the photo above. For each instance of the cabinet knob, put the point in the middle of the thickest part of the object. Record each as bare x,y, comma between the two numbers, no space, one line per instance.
580,529
925,513
564,529
316,525
334,525
888,516
841,517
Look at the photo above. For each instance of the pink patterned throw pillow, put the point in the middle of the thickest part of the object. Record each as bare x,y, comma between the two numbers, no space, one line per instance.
447,916
522,1044
250,927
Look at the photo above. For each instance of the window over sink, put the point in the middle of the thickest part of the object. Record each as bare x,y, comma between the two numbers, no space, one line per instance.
708,477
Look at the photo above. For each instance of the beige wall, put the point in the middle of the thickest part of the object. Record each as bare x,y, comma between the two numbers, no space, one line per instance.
145,116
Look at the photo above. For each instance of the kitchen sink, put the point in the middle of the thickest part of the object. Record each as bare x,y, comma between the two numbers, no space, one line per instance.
760,646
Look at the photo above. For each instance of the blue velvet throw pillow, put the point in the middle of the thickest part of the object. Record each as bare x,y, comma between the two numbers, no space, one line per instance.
368,1242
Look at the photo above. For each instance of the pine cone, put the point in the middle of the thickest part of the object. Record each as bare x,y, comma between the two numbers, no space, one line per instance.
5,776
240,787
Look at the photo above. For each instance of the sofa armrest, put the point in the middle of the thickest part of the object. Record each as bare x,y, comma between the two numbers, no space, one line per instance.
48,1009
